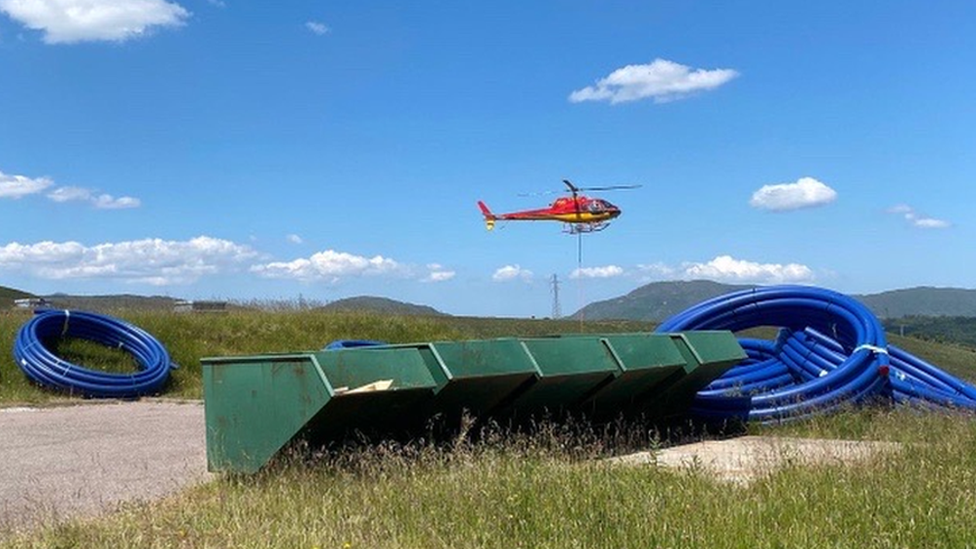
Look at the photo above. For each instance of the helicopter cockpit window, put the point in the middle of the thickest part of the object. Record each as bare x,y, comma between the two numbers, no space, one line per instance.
596,206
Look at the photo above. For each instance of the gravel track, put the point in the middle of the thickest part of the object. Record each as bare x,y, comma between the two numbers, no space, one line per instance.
64,462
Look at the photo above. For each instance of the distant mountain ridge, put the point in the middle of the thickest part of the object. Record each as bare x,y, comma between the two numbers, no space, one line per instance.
658,301
922,301
652,302
166,303
381,305
110,302
10,294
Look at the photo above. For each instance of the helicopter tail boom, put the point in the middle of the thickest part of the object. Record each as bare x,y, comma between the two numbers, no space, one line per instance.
490,218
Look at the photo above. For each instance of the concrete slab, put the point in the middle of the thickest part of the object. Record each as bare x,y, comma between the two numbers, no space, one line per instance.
743,459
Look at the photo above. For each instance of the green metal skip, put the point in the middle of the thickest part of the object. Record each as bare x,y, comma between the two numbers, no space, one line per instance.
256,405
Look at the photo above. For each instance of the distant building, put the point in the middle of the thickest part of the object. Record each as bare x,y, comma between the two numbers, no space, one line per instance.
200,306
31,303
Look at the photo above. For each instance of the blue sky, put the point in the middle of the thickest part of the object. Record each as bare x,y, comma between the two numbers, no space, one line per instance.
251,150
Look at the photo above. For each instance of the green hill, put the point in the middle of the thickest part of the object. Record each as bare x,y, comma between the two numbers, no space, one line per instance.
112,302
922,301
8,295
943,329
656,301
660,300
380,305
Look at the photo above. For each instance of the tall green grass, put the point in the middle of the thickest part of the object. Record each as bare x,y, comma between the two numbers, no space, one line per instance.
548,491
190,337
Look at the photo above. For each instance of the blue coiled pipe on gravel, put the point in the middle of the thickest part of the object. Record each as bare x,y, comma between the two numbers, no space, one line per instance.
45,368
830,353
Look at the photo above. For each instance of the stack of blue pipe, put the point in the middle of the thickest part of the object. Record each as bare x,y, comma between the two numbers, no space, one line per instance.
47,369
830,353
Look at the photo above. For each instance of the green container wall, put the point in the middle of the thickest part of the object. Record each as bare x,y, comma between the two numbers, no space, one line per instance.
475,376
256,405
569,369
707,355
645,361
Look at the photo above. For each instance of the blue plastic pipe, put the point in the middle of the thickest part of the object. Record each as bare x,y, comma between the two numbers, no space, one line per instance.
830,353
47,369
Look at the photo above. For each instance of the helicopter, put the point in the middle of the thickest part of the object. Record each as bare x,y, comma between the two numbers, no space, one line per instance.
579,213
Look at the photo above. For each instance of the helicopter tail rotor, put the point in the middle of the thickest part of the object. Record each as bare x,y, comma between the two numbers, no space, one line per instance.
490,218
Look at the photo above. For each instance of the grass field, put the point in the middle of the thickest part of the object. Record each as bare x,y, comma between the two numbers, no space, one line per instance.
189,337
550,491
546,489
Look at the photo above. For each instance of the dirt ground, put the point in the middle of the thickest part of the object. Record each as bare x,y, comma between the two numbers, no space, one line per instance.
71,461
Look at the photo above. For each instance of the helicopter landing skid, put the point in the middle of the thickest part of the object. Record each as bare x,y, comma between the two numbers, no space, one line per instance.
581,228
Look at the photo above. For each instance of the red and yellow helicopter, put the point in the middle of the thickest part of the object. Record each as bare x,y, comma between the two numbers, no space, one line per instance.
581,214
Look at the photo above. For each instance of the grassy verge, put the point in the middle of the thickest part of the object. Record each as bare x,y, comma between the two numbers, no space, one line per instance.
543,490
189,337
546,490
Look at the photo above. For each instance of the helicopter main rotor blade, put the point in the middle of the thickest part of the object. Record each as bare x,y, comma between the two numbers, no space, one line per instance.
571,188
610,188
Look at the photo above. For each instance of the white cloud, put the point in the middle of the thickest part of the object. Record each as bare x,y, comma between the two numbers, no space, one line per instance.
317,27
916,220
72,21
150,261
807,192
68,194
109,202
18,186
930,223
658,270
608,271
727,268
330,266
440,276
294,239
511,272
437,273
100,201
661,80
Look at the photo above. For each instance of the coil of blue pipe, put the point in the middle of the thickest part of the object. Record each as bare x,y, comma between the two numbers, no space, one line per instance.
830,353
47,369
